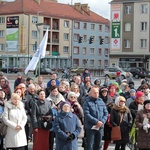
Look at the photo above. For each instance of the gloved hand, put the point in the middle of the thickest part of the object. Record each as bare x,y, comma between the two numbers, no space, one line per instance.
70,137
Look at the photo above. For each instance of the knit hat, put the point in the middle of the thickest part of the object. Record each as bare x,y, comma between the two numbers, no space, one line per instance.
132,91
146,102
139,94
118,73
118,99
64,103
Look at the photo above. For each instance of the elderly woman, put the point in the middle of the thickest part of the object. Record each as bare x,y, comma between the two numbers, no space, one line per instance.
15,118
120,116
41,117
143,124
67,128
76,107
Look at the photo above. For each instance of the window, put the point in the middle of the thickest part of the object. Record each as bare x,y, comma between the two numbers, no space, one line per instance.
106,63
76,37
127,9
92,50
143,43
106,52
106,28
76,50
35,20
65,49
84,51
126,43
2,20
66,24
75,62
1,33
100,27
91,63
84,38
106,40
144,8
1,47
92,26
84,62
34,47
66,36
99,63
76,25
127,27
143,26
84,26
34,34
99,51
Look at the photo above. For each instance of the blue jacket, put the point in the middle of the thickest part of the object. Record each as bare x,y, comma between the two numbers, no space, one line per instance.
49,83
94,110
66,122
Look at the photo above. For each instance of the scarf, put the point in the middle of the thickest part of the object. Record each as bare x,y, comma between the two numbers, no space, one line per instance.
121,109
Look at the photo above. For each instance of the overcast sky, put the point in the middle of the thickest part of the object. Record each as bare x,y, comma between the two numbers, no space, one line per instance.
101,7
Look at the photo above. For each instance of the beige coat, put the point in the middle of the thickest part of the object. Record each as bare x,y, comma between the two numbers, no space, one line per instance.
12,117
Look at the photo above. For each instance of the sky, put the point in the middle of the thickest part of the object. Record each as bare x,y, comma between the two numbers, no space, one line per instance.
101,7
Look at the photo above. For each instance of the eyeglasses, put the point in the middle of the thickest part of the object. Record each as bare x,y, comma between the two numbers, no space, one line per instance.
72,97
122,101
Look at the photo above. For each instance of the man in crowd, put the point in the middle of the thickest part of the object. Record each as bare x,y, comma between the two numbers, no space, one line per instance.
54,76
95,114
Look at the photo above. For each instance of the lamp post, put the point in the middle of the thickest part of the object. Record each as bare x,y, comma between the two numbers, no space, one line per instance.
38,41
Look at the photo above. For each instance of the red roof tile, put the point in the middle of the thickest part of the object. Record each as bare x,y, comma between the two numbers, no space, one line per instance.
52,9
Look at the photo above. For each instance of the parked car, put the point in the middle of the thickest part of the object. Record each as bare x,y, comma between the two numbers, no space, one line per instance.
11,69
77,70
138,72
44,71
111,72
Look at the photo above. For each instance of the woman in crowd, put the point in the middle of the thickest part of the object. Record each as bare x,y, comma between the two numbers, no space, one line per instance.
15,118
121,116
143,124
107,127
67,128
75,89
113,92
55,97
75,106
48,89
41,117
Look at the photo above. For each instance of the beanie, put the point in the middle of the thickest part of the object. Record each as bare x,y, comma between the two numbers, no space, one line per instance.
132,91
63,103
139,94
118,73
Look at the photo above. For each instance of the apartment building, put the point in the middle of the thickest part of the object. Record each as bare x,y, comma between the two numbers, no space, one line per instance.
23,24
130,33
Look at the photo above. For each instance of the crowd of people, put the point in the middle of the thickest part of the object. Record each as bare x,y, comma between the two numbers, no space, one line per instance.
60,110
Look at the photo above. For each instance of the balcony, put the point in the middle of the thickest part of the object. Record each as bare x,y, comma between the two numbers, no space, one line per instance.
55,53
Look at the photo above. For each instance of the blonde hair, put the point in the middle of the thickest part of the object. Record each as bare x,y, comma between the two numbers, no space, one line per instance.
14,96
74,85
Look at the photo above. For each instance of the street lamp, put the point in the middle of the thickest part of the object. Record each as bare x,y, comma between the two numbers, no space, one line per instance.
38,40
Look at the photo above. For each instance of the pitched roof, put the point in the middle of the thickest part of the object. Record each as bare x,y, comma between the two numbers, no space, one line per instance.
52,9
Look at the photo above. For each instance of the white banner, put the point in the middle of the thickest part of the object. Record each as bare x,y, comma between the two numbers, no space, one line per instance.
40,53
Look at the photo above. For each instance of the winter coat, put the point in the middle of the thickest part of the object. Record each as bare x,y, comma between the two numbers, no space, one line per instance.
40,109
66,122
94,110
12,117
133,108
125,124
143,138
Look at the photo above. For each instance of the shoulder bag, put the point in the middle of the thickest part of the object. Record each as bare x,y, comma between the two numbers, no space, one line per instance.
116,132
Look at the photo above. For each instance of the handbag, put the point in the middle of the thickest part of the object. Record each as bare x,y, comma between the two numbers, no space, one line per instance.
116,131
46,122
3,126
81,134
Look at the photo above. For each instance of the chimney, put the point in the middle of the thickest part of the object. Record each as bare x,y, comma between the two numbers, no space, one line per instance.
77,6
86,8
38,1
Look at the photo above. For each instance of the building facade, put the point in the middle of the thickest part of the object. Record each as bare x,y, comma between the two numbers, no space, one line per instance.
23,26
130,33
